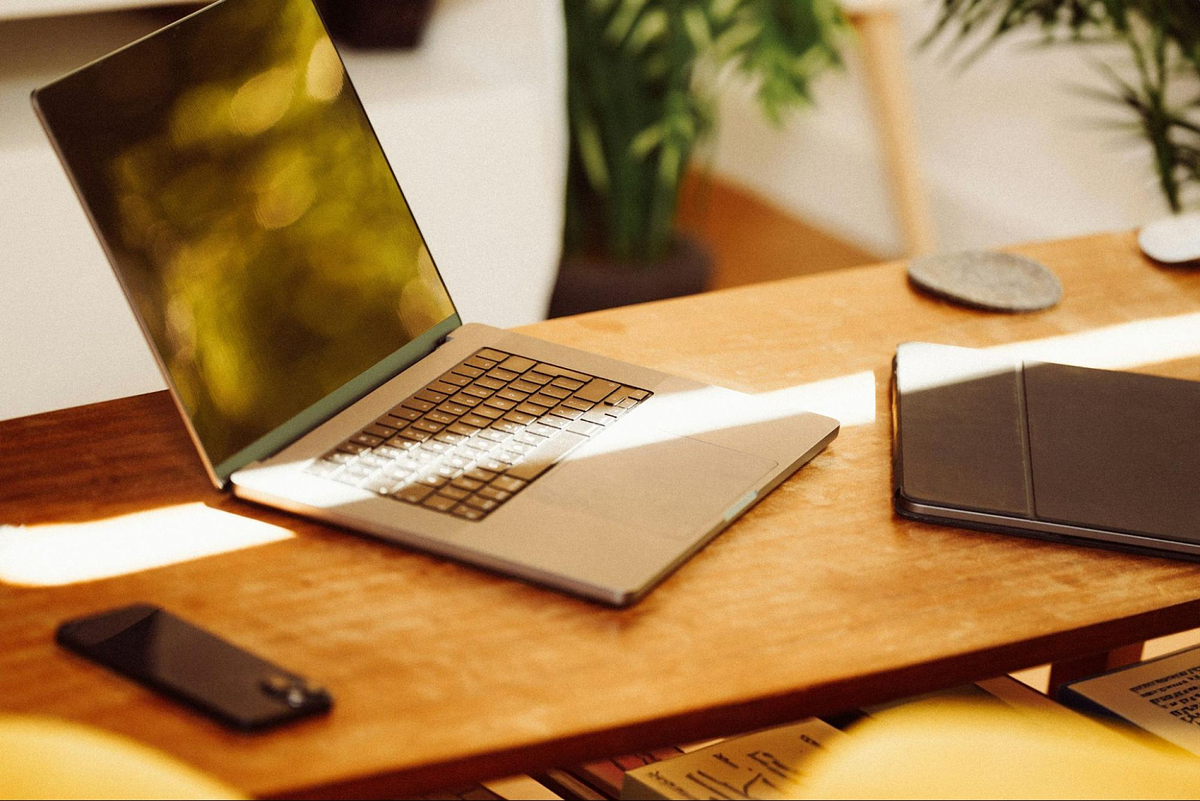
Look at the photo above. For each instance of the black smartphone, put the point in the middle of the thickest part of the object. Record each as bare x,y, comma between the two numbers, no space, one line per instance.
181,660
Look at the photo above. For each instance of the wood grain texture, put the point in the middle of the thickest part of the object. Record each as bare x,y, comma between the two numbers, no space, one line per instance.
821,598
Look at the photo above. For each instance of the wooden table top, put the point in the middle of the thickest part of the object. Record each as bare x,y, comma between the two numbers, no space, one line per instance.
820,599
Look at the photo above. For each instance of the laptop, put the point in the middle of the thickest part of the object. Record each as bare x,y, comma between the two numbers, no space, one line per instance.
1053,451
317,359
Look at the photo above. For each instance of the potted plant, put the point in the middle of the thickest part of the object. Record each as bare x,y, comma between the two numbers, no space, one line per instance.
1162,39
641,80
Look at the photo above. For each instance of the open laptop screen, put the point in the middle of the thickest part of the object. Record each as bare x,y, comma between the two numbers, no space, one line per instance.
252,218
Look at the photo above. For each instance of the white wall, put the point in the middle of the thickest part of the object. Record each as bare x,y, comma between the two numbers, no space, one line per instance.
1011,153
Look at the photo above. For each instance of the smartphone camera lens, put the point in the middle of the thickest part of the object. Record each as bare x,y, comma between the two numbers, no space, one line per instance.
293,691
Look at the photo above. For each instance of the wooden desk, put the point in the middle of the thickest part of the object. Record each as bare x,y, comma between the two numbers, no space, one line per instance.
820,599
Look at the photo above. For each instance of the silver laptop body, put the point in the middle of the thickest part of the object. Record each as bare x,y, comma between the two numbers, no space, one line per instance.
316,358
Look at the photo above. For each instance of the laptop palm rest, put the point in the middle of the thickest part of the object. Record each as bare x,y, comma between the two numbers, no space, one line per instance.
655,480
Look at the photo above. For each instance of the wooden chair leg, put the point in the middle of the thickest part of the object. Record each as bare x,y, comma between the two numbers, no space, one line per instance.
882,48
1071,670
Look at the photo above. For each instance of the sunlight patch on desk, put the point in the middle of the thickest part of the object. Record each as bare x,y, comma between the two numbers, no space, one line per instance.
55,554
849,399
1115,347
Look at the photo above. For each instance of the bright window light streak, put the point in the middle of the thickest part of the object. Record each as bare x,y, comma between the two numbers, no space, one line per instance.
849,399
1116,347
55,554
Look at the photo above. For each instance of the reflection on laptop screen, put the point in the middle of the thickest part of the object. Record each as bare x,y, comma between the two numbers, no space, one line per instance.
250,213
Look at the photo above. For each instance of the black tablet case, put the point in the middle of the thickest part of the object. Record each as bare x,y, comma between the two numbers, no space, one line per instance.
1099,449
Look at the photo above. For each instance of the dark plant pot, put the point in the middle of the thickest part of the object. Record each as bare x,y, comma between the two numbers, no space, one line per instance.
377,23
590,283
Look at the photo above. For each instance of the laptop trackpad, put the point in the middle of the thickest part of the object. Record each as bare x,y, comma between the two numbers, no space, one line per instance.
653,480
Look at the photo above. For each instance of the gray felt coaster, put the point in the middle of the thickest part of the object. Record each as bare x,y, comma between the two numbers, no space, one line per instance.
987,280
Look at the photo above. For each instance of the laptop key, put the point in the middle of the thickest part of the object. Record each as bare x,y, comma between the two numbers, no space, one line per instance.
508,484
477,391
490,383
360,470
541,458
440,502
401,442
383,432
483,504
479,474
394,423
466,400
456,409
418,404
465,483
551,421
405,413
414,493
426,425
576,403
432,480
541,430
476,420
556,392
441,417
554,370
565,411
543,400
373,460
382,485
454,492
596,416
366,440
500,403
520,417
524,386
490,412
468,370
468,512
455,379
443,387
517,364
597,390
567,383
585,428
537,378
492,494
502,374
492,353
480,363
337,457
512,395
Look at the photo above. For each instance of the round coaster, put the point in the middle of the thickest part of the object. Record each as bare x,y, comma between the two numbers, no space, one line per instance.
987,280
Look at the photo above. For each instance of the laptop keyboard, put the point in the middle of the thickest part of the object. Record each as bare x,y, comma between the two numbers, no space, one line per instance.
477,436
